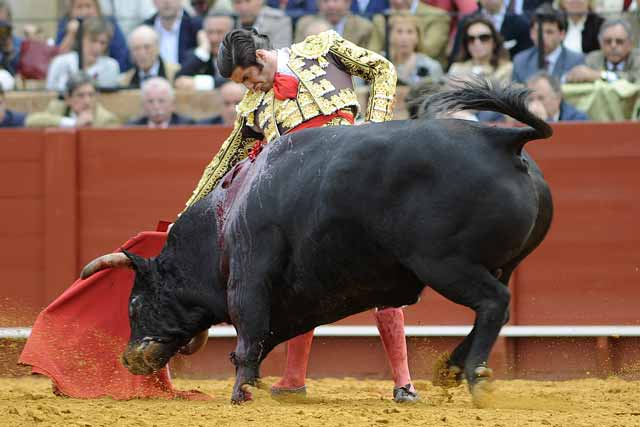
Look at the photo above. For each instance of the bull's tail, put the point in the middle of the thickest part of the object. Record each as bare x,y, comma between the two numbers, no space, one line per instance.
482,94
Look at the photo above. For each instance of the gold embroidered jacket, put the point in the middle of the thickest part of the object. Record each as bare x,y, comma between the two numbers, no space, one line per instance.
324,65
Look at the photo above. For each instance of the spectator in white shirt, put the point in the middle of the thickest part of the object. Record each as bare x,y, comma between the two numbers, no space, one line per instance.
178,31
97,33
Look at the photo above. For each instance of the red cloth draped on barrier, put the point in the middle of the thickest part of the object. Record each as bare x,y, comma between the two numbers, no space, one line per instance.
78,339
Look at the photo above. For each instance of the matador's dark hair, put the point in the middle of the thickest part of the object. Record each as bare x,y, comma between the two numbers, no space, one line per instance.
238,49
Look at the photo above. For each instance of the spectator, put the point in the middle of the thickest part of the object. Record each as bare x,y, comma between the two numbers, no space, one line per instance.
9,43
231,94
79,108
404,43
513,28
104,70
199,70
84,9
368,8
547,90
352,27
9,118
314,26
295,8
482,52
128,13
433,22
558,59
158,106
266,20
34,32
583,26
615,61
455,8
177,30
145,52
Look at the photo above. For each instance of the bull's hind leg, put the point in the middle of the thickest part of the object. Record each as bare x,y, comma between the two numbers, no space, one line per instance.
474,287
449,369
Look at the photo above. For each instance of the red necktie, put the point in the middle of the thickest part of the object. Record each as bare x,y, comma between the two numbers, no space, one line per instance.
285,86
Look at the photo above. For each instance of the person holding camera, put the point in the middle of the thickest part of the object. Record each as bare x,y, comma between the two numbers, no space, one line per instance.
404,47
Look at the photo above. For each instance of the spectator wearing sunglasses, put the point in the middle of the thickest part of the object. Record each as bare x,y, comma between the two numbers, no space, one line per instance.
615,60
482,52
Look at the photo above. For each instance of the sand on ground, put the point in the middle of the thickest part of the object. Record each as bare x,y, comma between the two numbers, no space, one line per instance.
28,401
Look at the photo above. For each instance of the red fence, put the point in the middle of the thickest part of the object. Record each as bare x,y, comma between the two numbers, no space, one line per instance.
66,197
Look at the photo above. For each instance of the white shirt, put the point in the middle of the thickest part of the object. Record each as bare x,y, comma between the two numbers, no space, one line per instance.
573,38
128,13
552,58
362,5
498,18
339,27
282,63
169,39
153,71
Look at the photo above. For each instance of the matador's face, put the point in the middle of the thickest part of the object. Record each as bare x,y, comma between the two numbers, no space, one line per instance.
255,78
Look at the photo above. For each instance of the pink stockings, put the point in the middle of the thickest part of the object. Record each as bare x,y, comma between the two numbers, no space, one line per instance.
390,322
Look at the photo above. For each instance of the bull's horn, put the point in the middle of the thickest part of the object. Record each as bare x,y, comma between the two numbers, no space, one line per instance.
116,260
195,343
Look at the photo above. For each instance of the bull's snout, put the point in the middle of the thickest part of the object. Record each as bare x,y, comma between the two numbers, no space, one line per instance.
143,358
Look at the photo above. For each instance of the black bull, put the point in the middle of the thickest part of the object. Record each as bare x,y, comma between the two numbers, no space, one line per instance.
332,221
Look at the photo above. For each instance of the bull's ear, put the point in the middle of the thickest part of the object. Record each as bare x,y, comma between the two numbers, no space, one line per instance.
138,263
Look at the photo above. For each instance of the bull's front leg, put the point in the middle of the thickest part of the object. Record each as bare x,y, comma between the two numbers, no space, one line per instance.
249,308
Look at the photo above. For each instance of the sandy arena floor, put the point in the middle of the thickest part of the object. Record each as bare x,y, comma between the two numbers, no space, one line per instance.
613,402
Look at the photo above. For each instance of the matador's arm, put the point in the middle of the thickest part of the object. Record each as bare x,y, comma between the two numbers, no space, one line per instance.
233,150
374,68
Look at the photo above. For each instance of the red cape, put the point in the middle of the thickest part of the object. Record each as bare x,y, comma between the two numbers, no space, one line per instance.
78,339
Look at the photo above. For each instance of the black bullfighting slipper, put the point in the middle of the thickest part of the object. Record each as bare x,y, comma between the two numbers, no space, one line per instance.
277,391
404,394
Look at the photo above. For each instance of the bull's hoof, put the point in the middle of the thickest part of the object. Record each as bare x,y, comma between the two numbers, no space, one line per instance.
405,395
241,395
284,391
482,394
482,388
445,375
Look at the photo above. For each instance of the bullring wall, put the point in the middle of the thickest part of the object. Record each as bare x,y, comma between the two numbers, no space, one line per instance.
68,196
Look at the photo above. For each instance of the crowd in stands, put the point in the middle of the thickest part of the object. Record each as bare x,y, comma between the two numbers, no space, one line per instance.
162,46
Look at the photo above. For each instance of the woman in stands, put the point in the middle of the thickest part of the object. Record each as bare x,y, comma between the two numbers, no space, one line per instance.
482,52
68,29
96,33
405,42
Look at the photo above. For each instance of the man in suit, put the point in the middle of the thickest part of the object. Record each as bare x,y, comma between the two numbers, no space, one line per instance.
266,20
546,91
513,28
177,30
144,46
199,71
616,60
558,60
352,27
158,105
433,22
231,93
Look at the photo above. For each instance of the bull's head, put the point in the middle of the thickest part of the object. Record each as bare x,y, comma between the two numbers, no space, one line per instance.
167,313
